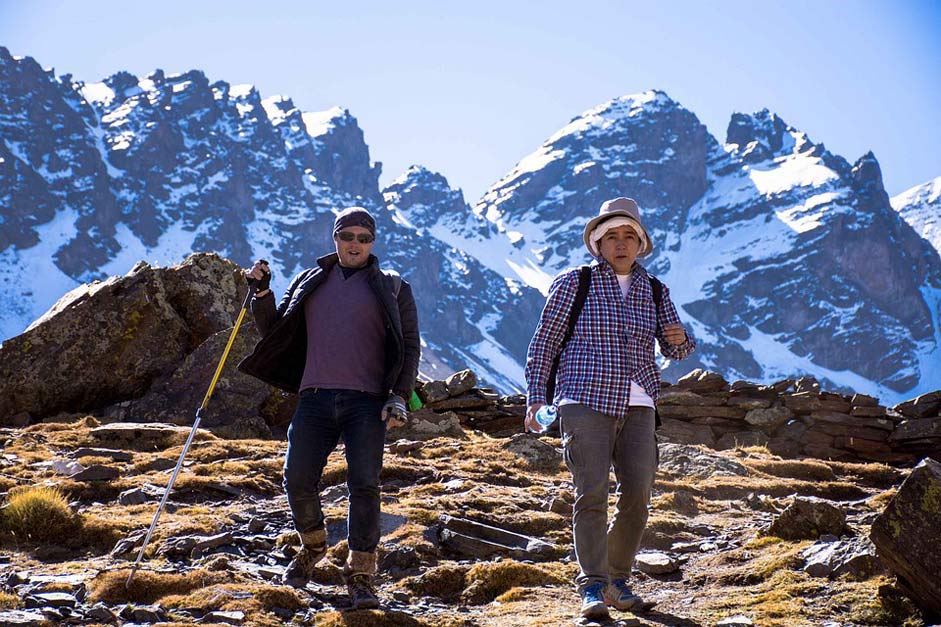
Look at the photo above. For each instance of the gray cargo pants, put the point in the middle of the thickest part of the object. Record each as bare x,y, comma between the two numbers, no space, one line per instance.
594,442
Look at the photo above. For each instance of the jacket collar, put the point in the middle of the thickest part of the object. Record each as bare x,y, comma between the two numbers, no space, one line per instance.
327,262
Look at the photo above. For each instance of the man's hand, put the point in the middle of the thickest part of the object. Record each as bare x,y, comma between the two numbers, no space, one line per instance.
394,412
261,273
675,334
530,423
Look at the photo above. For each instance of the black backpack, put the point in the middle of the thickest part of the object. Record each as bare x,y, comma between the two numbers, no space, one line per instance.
584,283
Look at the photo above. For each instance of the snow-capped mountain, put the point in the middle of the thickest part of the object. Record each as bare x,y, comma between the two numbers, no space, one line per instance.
782,257
94,177
920,206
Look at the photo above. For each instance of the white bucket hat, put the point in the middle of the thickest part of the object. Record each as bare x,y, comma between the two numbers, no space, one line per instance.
629,212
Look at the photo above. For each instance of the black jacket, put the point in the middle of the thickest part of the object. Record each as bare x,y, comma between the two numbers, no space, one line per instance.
280,356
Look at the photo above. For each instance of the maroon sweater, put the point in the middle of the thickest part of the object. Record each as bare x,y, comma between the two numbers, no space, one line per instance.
345,335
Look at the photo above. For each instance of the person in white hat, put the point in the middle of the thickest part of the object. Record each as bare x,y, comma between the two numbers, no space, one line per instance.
606,388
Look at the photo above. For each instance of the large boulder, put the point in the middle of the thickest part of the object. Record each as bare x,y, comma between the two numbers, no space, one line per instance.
108,341
908,537
807,519
240,407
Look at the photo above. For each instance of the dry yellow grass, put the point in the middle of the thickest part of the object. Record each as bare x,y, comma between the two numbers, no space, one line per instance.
39,514
9,601
148,586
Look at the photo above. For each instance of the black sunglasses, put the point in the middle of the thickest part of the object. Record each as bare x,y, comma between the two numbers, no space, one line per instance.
362,238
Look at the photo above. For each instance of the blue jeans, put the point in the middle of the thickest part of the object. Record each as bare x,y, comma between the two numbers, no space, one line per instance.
321,419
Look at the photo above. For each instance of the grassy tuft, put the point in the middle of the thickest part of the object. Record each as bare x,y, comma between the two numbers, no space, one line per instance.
489,580
147,587
39,514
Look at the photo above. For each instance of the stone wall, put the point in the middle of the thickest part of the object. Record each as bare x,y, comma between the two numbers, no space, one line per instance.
793,418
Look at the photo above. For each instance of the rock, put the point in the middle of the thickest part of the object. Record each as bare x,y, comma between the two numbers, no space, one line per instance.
116,455
22,618
433,391
147,614
101,613
700,381
916,429
656,563
533,451
908,536
863,400
65,467
854,557
97,473
807,518
426,424
482,541
134,496
802,403
401,561
237,404
692,411
688,461
559,506
683,432
55,599
769,419
194,546
681,396
142,436
460,382
749,402
807,384
856,422
867,411
228,618
922,407
405,447
132,542
107,342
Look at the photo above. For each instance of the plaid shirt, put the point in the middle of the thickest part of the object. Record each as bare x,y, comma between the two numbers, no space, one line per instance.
612,343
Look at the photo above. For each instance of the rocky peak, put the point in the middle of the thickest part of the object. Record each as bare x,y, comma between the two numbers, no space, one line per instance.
425,197
340,156
763,135
867,176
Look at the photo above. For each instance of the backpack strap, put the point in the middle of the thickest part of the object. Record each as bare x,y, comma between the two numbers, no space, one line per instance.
584,284
657,288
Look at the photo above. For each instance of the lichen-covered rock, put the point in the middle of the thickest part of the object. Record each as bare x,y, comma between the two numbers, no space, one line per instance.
106,342
908,537
808,519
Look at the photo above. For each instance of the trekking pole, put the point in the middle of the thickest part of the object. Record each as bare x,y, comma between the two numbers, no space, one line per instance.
189,440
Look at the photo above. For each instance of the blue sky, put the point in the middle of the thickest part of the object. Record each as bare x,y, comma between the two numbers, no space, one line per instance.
468,89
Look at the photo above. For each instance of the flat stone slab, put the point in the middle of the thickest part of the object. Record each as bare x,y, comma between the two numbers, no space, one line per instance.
22,618
479,540
142,436
656,563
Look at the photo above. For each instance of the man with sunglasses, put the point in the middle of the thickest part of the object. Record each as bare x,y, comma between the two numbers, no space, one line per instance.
345,336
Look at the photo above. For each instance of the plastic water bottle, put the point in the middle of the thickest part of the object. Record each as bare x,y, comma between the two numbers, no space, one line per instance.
546,416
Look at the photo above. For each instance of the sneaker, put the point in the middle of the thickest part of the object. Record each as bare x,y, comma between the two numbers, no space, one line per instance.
619,595
301,568
362,592
593,605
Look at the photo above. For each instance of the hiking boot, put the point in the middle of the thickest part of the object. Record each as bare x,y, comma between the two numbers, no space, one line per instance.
362,592
619,595
593,606
301,568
